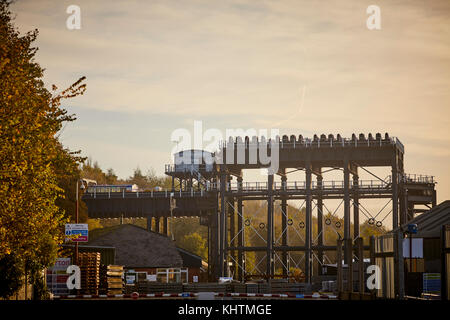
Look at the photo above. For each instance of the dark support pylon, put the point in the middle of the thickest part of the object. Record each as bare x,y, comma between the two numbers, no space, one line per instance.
320,230
349,258
308,225
241,235
355,195
232,241
284,229
395,218
360,250
346,209
222,226
270,270
355,206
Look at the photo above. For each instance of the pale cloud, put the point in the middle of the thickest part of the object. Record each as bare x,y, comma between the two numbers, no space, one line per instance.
244,63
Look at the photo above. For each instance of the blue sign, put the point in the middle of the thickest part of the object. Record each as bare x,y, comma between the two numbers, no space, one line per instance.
78,232
412,228
431,282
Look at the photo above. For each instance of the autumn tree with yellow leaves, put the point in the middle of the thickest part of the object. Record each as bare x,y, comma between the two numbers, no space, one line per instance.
32,160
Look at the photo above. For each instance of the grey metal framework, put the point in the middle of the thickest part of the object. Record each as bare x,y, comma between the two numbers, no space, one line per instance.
219,201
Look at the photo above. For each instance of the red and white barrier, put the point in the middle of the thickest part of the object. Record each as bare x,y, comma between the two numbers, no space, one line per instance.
135,295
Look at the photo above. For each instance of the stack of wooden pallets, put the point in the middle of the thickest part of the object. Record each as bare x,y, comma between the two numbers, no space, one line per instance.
114,279
89,263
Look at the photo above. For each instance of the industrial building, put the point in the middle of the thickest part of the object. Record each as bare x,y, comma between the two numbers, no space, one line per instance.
148,253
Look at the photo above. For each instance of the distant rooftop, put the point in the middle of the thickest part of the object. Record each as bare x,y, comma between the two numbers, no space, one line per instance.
137,247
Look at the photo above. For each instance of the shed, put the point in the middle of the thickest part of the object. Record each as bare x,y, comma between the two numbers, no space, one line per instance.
430,225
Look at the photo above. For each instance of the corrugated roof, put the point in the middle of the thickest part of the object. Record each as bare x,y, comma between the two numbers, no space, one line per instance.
429,224
137,247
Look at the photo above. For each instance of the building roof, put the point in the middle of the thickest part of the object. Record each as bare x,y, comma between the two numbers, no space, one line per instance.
136,247
190,260
429,224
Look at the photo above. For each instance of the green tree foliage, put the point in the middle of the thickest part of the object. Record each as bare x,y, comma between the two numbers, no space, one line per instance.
111,177
33,164
68,172
91,170
196,244
148,181
10,275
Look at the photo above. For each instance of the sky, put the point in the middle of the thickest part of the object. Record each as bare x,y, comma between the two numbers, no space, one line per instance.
303,67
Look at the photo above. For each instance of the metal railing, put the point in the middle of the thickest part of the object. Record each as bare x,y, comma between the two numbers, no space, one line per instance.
188,168
417,178
320,143
298,185
146,194
244,187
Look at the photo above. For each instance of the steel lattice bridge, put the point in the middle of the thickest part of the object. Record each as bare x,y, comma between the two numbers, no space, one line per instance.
208,191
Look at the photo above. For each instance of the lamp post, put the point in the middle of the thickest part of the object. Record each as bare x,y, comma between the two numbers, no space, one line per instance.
82,187
77,216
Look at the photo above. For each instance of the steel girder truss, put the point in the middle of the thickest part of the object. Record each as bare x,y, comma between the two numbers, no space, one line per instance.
294,230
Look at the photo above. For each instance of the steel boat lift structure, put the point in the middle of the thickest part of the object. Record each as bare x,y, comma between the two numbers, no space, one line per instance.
209,191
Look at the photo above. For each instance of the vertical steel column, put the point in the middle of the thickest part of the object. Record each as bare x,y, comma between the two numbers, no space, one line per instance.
356,226
403,204
222,225
210,262
360,249
320,230
157,224
355,206
340,281
308,225
241,236
398,238
346,208
270,270
349,258
372,249
215,246
232,240
284,230
395,193
395,217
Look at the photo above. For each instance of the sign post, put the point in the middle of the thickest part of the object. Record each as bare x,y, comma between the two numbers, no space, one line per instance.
77,232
